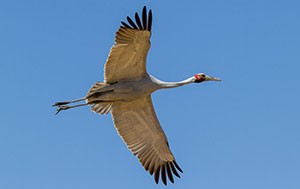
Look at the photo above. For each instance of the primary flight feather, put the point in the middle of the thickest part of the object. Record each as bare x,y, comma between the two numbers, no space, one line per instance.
126,94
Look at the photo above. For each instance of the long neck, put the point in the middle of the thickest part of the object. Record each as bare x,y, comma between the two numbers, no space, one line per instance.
165,85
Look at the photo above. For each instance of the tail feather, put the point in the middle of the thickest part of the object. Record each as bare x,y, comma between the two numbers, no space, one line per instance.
93,100
96,87
102,107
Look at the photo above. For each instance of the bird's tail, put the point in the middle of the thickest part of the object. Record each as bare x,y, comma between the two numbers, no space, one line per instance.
102,107
96,90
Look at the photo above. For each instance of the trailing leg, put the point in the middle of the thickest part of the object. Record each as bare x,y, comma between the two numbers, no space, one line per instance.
68,102
64,107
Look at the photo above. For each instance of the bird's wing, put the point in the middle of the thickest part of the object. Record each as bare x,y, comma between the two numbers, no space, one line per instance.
127,58
137,124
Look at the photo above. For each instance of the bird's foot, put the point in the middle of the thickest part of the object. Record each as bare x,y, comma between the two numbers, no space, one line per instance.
60,103
61,107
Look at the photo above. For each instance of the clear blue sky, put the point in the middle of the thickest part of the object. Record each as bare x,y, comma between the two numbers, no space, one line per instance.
241,133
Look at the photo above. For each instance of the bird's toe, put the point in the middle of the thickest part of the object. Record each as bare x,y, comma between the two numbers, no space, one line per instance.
62,108
60,103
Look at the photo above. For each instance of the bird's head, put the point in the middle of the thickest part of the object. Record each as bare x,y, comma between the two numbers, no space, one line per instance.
201,77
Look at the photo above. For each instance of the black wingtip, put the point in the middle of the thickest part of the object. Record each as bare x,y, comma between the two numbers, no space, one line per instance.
149,21
170,176
156,175
138,21
143,23
144,17
165,172
163,175
174,170
131,23
125,25
177,166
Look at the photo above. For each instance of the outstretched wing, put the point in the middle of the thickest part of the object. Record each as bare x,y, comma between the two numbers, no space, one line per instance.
137,124
127,58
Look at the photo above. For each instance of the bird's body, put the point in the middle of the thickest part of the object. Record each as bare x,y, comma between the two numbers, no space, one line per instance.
127,90
126,94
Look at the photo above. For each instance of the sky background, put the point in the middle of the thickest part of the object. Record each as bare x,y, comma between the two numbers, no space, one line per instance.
242,133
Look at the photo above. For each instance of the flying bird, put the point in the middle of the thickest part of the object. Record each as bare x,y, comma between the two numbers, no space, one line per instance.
126,94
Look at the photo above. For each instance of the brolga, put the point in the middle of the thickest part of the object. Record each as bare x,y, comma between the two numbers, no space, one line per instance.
126,94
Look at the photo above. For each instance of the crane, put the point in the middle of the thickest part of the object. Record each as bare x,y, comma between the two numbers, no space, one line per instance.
126,94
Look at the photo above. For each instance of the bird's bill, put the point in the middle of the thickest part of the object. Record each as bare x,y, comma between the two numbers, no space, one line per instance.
209,78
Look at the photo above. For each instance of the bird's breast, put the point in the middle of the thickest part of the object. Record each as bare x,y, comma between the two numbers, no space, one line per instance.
130,90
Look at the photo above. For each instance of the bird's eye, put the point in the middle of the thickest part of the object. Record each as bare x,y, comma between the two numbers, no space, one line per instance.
199,78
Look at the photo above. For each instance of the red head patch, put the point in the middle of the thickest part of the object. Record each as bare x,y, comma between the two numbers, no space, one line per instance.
199,78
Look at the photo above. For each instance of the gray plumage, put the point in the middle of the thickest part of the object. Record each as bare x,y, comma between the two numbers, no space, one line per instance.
126,94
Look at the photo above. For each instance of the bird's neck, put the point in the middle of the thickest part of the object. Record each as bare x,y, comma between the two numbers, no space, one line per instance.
165,85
